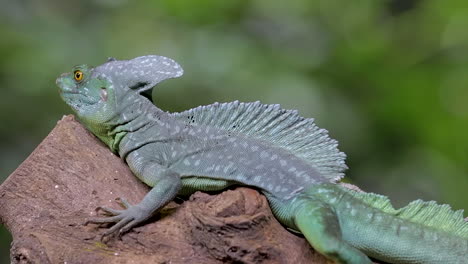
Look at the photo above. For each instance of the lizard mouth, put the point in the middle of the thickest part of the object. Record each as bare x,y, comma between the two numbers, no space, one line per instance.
72,97
67,92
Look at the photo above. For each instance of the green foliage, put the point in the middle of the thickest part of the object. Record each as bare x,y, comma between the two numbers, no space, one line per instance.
386,78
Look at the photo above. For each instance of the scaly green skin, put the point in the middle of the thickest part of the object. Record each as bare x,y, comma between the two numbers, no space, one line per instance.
294,163
386,237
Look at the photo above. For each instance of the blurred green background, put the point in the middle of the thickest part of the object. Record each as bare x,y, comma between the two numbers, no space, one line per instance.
387,78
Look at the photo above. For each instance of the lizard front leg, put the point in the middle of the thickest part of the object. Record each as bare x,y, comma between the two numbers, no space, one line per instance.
166,185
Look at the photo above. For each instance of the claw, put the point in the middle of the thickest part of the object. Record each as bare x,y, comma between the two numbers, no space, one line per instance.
103,238
124,202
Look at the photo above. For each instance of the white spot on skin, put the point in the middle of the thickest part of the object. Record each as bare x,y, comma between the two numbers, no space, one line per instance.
274,156
186,162
197,162
283,163
264,155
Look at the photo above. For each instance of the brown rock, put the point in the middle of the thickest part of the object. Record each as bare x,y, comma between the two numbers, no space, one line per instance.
45,202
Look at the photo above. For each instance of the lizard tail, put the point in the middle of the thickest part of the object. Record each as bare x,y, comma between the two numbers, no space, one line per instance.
421,232
341,223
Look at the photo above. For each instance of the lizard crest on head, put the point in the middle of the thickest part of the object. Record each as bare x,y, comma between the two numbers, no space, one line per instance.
96,94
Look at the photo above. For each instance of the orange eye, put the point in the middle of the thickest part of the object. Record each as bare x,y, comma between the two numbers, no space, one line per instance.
78,75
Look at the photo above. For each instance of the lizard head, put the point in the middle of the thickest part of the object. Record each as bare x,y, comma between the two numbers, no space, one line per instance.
90,95
100,95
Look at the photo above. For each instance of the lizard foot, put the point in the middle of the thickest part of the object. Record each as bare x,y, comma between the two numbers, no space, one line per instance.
125,219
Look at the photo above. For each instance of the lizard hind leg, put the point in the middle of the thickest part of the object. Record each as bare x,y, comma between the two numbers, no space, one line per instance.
319,224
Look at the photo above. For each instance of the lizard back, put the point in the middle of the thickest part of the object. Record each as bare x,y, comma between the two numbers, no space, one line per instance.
280,128
259,145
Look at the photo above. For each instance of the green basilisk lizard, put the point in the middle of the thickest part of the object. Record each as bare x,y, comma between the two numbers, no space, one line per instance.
285,156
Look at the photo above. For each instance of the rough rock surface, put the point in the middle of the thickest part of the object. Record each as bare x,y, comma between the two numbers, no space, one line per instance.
45,202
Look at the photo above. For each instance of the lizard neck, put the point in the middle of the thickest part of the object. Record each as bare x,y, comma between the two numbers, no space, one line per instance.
134,114
140,123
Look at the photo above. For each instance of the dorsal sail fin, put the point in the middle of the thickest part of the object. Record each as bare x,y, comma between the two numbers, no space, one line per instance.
281,128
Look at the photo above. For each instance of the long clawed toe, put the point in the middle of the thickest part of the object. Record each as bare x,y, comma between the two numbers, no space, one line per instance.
123,221
117,227
103,220
109,211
